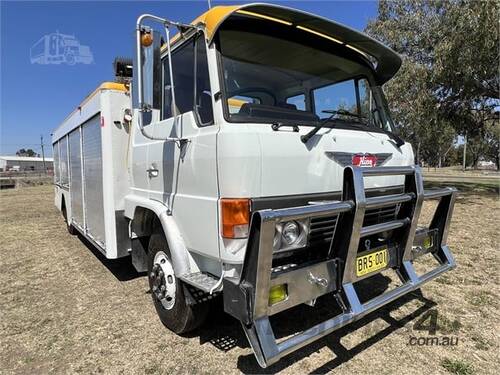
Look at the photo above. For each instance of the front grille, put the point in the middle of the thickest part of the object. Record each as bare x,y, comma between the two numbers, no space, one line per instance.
380,215
323,228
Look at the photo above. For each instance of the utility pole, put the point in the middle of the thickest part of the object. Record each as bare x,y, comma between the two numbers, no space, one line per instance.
465,153
43,154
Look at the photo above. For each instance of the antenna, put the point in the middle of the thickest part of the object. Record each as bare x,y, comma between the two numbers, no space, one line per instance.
209,4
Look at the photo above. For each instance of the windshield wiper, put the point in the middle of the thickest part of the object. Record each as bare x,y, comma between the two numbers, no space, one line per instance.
396,138
306,137
341,112
355,123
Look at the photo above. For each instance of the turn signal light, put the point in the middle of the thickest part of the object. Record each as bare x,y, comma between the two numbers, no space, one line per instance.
235,217
277,294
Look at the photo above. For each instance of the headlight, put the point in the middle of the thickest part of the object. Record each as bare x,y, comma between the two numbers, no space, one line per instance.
290,235
290,232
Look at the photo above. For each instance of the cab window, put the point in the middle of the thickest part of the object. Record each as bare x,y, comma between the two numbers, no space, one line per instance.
191,81
297,101
337,97
347,100
183,75
202,90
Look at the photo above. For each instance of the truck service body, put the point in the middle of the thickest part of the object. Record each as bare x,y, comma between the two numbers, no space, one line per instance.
253,157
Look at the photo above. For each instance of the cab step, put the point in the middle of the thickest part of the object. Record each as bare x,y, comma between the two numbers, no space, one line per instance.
203,281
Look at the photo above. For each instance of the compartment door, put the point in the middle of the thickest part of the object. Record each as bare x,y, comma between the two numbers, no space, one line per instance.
75,172
92,174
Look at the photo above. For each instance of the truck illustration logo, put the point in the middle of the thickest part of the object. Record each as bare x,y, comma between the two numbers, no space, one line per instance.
57,48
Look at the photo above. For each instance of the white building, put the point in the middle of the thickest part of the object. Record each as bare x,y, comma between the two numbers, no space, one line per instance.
24,163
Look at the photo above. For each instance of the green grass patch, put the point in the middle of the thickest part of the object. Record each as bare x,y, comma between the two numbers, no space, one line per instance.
458,367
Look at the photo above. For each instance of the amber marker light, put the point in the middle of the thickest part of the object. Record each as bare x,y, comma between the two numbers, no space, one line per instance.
235,214
146,39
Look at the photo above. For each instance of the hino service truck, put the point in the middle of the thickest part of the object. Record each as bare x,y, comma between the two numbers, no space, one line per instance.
251,156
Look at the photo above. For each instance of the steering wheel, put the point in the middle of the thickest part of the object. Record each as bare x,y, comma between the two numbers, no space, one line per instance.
251,90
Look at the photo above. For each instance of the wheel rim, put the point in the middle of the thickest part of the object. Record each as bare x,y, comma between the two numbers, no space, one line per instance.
163,284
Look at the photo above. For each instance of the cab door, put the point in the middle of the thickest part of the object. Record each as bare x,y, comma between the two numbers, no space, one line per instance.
184,174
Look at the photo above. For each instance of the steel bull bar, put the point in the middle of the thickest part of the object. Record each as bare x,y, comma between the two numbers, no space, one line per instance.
247,297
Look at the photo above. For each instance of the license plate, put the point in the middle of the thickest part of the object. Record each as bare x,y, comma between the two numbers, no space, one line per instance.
372,262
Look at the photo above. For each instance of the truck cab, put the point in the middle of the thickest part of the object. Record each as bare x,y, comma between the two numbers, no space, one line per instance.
262,165
246,95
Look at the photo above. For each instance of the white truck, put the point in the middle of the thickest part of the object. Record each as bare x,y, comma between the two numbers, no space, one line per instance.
252,156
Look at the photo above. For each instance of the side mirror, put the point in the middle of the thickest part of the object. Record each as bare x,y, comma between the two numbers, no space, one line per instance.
147,87
147,75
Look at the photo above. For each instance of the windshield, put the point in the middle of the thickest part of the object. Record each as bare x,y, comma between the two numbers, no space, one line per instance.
274,73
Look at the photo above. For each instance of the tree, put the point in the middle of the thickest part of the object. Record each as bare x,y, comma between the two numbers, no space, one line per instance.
493,140
29,152
487,144
449,78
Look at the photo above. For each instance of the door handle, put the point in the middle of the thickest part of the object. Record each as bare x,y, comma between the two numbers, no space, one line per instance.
152,172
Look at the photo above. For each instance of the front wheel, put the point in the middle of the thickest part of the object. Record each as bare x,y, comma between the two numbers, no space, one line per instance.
167,290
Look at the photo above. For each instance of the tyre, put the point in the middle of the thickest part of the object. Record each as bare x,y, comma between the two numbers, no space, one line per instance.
71,229
167,290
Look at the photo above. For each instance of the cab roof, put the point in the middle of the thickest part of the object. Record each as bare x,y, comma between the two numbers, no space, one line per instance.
387,63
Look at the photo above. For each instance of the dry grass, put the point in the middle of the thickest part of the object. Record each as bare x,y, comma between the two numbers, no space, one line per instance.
65,309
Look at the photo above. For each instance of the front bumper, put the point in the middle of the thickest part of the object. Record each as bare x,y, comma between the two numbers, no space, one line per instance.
247,297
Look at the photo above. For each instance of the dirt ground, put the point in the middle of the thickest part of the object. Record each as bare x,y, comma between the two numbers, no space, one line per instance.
66,309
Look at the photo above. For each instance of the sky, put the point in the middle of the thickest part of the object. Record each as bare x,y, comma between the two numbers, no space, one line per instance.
36,98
